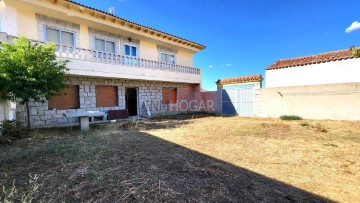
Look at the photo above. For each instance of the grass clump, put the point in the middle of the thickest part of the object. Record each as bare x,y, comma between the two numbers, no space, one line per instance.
304,124
10,131
290,117
330,145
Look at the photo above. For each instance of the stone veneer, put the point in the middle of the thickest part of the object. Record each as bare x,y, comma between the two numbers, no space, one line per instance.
41,116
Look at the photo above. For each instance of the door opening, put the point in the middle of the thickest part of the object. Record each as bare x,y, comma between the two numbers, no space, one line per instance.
131,101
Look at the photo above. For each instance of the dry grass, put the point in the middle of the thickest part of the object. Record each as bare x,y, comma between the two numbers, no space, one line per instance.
321,157
187,159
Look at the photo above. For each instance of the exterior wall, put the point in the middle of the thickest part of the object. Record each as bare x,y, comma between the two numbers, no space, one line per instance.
332,101
209,101
184,58
148,51
218,100
26,23
9,19
257,106
189,98
7,111
149,91
344,71
84,36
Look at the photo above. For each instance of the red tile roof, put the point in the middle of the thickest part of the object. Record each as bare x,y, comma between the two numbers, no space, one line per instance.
313,59
242,79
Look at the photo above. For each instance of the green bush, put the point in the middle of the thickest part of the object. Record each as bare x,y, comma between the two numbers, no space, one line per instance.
11,130
304,124
290,117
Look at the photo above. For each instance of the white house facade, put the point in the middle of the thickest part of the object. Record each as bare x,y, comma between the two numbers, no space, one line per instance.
115,64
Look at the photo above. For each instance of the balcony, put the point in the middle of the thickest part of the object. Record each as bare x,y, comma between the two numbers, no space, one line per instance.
91,63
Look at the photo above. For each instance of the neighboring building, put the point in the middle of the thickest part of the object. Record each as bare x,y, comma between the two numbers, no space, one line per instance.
114,63
323,86
239,96
327,68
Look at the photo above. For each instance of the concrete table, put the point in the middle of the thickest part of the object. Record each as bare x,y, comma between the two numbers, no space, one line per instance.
84,117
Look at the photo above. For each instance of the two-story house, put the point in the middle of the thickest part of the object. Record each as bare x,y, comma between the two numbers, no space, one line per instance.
114,63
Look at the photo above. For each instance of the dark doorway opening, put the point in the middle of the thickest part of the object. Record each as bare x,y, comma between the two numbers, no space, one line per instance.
131,101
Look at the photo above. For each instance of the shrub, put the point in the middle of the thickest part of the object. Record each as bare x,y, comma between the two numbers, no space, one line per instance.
290,117
318,127
304,124
11,130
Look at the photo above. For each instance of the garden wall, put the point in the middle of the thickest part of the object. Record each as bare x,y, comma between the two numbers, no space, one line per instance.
331,101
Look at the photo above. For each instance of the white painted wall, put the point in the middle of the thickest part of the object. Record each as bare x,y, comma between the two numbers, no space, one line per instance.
8,19
330,101
344,71
7,111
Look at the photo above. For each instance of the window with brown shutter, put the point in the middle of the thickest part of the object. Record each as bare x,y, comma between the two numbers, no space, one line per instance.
106,96
169,95
67,99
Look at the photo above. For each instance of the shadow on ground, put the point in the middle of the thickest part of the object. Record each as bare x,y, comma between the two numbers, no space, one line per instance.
124,166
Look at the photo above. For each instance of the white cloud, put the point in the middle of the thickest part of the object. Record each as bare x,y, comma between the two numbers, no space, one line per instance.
229,64
211,66
354,26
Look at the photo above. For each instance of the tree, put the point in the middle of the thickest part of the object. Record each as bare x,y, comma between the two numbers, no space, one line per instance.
355,52
29,72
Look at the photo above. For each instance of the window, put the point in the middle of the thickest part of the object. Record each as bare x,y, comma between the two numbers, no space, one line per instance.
60,36
106,96
167,58
169,95
104,45
130,50
67,99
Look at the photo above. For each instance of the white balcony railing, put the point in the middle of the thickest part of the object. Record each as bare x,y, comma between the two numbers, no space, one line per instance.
77,53
70,52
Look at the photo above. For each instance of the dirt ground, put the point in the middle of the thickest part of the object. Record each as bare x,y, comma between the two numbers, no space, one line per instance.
196,158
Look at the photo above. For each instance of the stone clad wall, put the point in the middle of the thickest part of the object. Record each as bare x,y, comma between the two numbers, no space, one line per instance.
150,91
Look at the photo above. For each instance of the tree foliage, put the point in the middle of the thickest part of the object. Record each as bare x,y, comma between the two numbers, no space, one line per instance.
30,71
355,52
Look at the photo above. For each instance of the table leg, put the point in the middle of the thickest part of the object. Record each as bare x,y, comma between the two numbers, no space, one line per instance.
84,123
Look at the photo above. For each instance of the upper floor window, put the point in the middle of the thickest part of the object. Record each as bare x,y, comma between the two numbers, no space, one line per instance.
130,50
59,36
104,45
167,58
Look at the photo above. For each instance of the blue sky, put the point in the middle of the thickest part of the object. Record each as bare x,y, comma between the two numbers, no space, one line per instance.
243,37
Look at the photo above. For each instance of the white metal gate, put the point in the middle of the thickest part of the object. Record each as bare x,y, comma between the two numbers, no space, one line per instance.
238,101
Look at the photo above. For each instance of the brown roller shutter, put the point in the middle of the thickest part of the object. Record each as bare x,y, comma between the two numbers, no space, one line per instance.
169,95
106,96
67,99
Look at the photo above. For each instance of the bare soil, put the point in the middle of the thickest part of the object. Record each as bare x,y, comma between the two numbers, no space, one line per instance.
187,158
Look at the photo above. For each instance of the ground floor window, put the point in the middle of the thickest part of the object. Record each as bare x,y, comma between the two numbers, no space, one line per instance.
169,95
106,96
67,99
